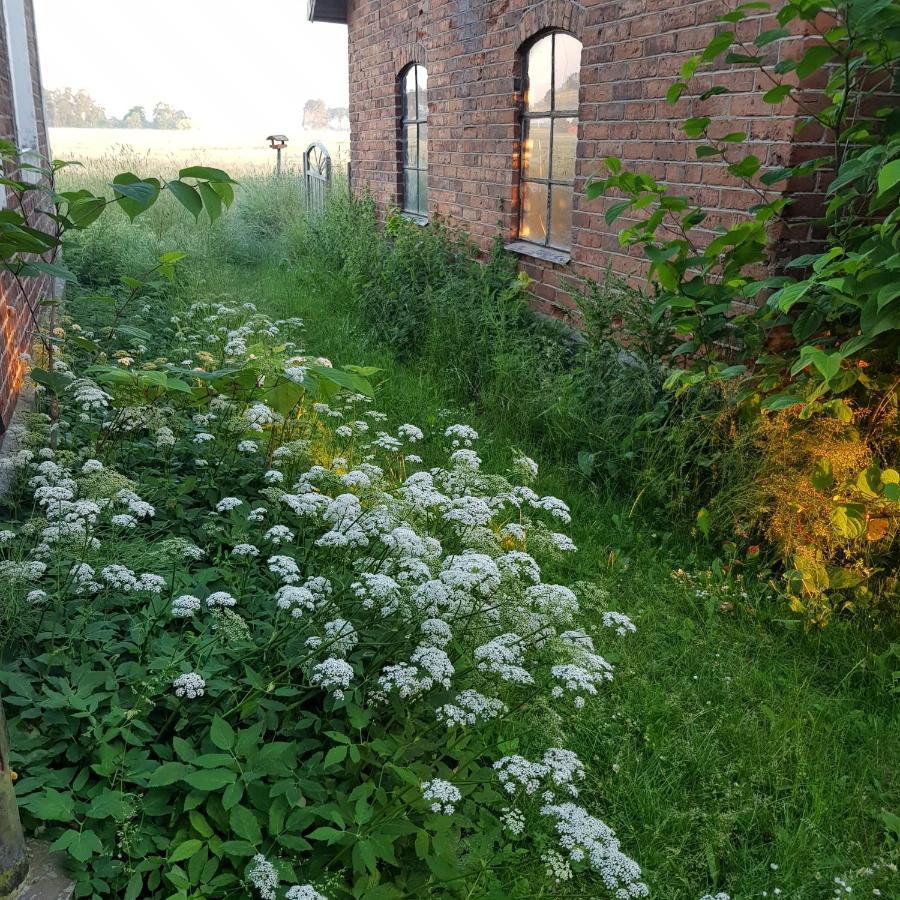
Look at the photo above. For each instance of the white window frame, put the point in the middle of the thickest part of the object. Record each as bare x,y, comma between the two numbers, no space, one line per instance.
24,112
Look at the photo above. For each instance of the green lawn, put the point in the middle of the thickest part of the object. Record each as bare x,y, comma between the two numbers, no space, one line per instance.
734,751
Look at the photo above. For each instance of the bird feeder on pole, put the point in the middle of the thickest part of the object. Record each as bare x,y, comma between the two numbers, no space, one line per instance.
277,142
13,858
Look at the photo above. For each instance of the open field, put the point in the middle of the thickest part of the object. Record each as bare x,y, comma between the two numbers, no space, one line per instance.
236,151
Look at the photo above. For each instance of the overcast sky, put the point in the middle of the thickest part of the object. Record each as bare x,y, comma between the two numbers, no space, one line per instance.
230,64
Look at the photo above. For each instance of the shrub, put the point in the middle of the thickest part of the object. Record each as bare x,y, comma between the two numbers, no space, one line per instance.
823,344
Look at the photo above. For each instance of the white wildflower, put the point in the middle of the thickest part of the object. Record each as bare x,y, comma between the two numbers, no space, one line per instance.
442,796
333,675
263,876
228,503
185,606
189,685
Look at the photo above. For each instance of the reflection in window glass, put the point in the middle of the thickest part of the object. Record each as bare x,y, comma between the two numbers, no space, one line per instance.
566,71
549,140
536,148
538,88
534,212
414,140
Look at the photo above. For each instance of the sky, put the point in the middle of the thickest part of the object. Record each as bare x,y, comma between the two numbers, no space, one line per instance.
231,65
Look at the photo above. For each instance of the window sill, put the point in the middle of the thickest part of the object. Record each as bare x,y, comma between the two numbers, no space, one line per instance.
546,254
415,219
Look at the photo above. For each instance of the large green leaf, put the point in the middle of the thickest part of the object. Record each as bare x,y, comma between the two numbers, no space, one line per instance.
187,196
135,195
50,804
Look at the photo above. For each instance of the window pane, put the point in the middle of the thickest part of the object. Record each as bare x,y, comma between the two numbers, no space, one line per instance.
565,143
537,87
533,226
561,216
422,76
536,149
567,63
423,146
423,192
409,189
409,92
410,146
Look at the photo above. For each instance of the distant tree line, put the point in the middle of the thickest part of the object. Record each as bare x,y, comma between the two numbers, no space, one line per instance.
68,108
317,114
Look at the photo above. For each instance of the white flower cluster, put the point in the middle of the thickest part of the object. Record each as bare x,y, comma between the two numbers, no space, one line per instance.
620,622
189,685
333,674
263,876
303,892
442,796
185,606
469,707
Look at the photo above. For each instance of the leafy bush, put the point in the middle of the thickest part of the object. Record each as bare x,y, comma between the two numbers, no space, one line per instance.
823,345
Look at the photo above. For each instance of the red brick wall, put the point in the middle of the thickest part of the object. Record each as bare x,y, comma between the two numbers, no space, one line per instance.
15,321
632,52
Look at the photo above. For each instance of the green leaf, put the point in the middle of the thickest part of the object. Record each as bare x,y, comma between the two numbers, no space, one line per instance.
55,270
822,477
363,857
50,805
746,168
695,126
232,794
615,210
206,172
135,195
814,59
239,848
673,94
212,202
244,824
168,773
689,66
719,44
335,755
80,845
327,834
780,401
186,196
848,520
770,36
134,887
777,94
185,850
210,779
889,177
221,734
828,364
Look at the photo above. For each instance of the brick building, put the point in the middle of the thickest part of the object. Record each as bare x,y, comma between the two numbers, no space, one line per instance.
492,114
22,123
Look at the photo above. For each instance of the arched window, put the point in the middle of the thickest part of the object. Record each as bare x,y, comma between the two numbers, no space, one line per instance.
414,140
549,140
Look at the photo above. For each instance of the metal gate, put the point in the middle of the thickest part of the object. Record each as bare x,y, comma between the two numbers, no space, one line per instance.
316,176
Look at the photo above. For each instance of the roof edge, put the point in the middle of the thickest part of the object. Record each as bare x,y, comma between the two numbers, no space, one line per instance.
334,11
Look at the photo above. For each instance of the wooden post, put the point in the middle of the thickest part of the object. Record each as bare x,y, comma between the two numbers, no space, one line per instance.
13,859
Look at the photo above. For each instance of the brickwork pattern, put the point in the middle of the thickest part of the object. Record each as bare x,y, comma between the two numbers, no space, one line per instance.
632,52
15,320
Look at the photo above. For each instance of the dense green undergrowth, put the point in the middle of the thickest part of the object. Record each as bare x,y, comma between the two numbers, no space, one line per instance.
742,742
734,750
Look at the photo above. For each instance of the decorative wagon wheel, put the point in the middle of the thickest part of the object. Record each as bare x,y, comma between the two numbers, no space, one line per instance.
316,175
